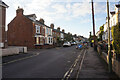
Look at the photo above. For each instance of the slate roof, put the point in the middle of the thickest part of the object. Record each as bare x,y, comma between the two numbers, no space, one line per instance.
118,5
37,22
30,15
3,4
113,12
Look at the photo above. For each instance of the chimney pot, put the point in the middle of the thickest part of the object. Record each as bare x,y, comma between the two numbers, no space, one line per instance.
42,20
58,28
63,30
19,11
52,26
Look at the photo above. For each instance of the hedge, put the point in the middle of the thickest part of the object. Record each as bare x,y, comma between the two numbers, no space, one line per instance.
116,38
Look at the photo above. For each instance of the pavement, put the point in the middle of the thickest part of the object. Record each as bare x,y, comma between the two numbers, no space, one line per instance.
95,67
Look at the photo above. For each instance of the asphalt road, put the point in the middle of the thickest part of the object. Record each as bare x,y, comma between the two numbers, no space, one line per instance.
47,63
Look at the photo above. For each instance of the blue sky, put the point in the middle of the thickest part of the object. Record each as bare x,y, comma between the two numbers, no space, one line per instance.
74,17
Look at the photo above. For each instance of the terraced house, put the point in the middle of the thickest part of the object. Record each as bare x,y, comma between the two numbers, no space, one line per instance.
114,19
25,30
48,36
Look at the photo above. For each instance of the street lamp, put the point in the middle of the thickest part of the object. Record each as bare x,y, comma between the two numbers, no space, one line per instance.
109,52
93,24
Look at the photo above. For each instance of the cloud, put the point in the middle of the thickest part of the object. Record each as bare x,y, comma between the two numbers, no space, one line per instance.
59,8
100,7
81,9
38,4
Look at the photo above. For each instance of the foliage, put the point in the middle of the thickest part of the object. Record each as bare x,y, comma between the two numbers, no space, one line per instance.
92,38
116,38
101,32
58,40
68,37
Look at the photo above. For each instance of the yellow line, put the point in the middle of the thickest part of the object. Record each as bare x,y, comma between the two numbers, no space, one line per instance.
20,59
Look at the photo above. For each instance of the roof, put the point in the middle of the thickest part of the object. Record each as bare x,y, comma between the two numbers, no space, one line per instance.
118,5
113,12
3,4
37,22
58,31
30,15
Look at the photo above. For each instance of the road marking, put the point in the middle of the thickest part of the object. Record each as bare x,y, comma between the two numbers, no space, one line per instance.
70,70
80,65
21,59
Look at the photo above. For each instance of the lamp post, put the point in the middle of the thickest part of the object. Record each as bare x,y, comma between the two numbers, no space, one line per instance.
93,24
109,52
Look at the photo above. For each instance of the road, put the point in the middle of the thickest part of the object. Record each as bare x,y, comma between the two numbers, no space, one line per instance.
47,63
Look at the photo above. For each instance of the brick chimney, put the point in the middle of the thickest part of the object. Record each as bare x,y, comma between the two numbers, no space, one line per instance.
58,28
19,11
52,26
63,30
69,33
42,20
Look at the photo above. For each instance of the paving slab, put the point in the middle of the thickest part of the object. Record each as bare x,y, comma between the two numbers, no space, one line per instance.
95,67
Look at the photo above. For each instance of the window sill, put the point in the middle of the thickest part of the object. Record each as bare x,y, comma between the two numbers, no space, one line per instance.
38,44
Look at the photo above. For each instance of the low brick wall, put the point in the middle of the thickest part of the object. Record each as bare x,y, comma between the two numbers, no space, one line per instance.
45,46
115,63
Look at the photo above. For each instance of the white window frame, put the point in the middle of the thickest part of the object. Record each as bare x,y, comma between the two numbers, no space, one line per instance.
37,29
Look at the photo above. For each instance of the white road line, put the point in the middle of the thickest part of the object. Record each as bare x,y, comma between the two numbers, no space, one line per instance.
21,59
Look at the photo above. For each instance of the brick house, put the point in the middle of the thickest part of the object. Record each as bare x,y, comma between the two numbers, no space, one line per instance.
62,34
3,7
54,34
48,36
57,34
25,30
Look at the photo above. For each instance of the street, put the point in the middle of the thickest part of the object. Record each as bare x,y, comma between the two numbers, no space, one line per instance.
47,63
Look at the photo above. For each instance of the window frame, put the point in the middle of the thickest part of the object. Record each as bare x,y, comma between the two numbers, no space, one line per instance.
37,29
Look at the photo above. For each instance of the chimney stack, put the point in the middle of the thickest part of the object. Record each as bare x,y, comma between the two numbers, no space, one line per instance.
58,28
42,20
19,11
52,26
68,33
63,30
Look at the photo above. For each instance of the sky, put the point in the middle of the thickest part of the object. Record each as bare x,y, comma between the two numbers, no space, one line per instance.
75,16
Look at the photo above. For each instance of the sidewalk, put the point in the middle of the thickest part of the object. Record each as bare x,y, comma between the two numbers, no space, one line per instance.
94,67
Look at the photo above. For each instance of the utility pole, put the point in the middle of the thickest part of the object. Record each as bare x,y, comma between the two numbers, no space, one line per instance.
109,52
93,24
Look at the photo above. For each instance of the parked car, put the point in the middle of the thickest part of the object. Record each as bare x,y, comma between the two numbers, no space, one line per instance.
66,44
73,43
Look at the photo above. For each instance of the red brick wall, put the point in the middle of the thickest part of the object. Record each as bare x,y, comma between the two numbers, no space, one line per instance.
3,23
20,32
